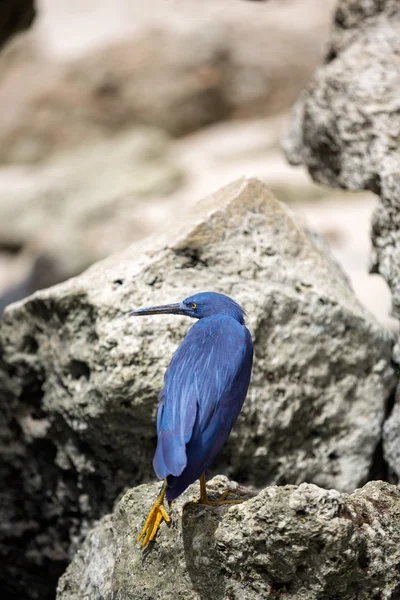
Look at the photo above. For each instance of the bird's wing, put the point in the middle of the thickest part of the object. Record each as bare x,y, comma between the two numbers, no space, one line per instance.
202,390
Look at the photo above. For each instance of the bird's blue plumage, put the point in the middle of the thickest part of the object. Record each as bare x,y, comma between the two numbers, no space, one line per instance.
204,390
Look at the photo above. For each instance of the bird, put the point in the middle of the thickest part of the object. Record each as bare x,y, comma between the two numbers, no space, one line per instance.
204,389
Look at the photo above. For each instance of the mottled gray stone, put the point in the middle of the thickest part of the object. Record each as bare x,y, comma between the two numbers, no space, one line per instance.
346,130
391,438
347,121
86,377
297,543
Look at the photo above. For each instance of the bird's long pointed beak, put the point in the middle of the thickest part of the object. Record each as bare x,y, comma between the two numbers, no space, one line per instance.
164,309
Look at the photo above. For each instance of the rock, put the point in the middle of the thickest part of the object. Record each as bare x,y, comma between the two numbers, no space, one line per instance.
41,274
15,16
85,378
302,543
385,235
82,206
226,62
346,130
391,439
345,124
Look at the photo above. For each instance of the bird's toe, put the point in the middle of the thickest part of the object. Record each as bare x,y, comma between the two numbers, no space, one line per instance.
153,522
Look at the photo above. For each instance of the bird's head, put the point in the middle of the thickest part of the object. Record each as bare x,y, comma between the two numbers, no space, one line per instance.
198,306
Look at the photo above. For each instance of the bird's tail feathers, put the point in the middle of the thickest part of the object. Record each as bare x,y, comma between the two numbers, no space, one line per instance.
170,456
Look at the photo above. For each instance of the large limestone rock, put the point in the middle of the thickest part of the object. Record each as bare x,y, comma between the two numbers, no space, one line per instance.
346,129
85,377
302,543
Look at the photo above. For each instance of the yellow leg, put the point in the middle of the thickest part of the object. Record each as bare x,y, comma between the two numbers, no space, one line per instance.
221,499
153,521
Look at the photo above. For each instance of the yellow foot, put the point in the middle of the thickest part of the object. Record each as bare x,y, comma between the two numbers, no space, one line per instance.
156,515
221,500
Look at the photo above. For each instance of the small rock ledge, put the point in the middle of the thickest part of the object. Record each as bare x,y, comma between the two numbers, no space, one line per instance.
286,542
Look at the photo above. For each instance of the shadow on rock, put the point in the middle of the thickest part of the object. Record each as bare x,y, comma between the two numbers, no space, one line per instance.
199,524
203,562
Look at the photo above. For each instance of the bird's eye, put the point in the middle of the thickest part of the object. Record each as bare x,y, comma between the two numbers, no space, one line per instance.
194,305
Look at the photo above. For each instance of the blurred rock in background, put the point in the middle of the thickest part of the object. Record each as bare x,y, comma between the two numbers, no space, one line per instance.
81,206
85,81
79,86
179,71
31,273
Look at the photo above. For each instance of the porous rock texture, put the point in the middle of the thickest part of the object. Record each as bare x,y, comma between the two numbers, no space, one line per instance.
82,379
345,124
346,130
297,543
391,439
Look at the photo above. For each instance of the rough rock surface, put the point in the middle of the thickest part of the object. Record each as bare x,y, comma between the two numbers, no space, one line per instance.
297,543
346,130
391,439
226,60
346,123
82,206
85,378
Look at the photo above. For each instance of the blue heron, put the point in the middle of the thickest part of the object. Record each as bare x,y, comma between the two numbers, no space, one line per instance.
204,389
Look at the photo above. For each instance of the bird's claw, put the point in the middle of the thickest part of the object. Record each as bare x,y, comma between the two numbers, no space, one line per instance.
153,521
221,500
